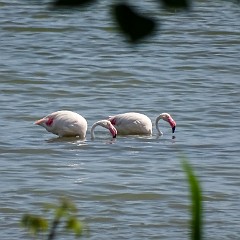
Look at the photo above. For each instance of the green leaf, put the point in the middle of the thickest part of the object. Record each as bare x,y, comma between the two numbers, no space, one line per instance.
34,223
63,208
73,224
196,197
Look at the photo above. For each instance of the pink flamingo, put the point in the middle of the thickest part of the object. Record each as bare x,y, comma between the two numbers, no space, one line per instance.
133,123
64,124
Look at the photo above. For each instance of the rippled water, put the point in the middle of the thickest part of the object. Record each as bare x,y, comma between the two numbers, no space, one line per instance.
133,187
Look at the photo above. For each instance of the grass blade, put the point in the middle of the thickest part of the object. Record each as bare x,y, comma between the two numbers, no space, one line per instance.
196,198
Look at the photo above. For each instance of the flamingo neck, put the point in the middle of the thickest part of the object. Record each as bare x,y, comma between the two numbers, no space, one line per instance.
157,127
92,131
106,124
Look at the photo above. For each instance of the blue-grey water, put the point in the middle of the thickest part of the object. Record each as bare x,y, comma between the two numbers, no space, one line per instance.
133,187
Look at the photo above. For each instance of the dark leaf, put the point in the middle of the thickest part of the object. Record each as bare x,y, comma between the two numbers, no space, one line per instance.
134,25
176,4
71,3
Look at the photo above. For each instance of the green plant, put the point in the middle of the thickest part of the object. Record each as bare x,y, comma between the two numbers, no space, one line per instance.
196,200
64,213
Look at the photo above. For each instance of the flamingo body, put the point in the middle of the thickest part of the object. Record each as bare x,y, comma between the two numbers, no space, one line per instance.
64,124
132,123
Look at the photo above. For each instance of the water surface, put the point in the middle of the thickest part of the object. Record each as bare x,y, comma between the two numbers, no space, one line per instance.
132,187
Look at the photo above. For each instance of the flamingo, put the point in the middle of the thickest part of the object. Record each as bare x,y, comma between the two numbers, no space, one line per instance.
64,124
106,124
133,123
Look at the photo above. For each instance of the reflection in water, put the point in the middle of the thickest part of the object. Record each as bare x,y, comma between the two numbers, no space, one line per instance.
64,139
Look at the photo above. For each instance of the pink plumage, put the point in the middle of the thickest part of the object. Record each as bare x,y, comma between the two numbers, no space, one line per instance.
64,124
133,123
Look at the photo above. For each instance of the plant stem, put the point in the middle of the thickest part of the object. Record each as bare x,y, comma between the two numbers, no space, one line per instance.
52,233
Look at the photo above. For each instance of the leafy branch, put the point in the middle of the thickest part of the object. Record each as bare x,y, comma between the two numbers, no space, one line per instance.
130,22
64,212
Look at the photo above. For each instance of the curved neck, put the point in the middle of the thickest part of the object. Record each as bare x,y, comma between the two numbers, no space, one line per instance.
157,127
106,124
92,130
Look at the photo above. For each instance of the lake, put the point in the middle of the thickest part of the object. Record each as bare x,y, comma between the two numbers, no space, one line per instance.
133,187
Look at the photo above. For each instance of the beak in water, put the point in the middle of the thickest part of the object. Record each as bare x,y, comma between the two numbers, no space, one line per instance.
172,124
113,131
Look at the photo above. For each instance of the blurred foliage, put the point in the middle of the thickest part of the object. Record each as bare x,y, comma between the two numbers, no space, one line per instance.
196,200
34,224
134,25
72,3
64,212
64,215
176,4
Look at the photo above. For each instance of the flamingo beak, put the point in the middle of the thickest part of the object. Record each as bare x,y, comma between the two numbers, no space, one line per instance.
40,121
113,131
172,124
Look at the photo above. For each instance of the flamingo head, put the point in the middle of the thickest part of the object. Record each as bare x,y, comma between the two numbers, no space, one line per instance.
46,122
106,124
166,117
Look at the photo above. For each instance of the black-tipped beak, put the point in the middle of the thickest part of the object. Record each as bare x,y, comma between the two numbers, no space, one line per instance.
173,129
115,136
